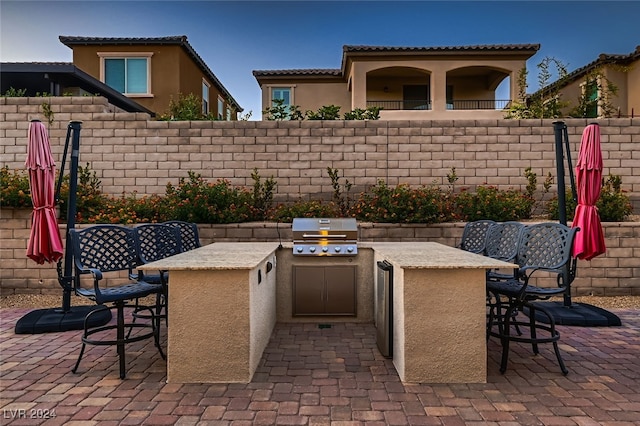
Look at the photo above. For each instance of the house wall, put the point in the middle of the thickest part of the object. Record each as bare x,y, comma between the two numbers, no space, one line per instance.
367,75
437,70
173,72
620,80
627,80
131,153
312,96
633,89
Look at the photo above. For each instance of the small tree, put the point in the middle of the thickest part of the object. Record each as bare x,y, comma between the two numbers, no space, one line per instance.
186,108
546,103
595,99
371,113
279,111
328,112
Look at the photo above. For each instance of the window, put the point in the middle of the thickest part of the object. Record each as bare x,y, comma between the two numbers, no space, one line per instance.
592,99
205,98
281,102
126,73
283,93
220,108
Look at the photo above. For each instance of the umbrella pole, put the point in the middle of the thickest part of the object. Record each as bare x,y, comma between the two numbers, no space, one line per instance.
65,318
565,313
66,279
560,133
559,128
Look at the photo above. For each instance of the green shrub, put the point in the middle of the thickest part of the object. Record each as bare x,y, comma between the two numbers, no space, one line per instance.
398,204
371,113
613,204
302,208
130,210
488,202
14,188
262,194
14,93
279,111
340,194
89,197
186,108
329,112
196,200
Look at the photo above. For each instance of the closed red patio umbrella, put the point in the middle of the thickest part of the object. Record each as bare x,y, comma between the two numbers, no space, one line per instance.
45,243
589,242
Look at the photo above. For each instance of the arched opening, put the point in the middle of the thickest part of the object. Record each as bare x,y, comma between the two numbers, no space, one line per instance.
399,88
477,87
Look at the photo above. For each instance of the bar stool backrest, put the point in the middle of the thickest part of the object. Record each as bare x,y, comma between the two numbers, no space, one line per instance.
474,236
188,233
157,241
545,246
502,240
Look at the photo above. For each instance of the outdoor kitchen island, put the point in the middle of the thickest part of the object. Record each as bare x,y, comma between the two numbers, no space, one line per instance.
439,311
222,310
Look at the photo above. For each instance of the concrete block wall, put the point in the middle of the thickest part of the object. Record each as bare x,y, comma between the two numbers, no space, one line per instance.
130,152
615,273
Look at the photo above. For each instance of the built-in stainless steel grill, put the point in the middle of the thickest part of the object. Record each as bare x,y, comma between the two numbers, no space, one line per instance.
325,237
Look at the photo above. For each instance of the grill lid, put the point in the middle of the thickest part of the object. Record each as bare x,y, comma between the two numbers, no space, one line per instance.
325,236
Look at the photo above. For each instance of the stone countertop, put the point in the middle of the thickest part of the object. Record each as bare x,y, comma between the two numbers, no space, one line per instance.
430,255
409,255
216,256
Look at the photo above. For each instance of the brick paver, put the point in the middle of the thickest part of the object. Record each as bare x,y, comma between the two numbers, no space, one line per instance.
314,376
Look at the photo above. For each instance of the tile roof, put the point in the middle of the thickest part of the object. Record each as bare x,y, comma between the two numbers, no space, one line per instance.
329,72
180,40
356,49
439,49
603,59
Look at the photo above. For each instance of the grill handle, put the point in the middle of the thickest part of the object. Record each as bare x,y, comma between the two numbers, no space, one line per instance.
324,236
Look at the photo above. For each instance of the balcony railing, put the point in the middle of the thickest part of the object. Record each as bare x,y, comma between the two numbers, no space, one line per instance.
478,104
394,105
466,104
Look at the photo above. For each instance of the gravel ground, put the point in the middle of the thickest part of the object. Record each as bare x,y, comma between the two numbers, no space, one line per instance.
39,301
52,301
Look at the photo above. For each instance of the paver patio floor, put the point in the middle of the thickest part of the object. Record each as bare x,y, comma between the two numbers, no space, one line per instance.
320,376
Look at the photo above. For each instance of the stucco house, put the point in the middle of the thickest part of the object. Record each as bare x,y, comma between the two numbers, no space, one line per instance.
454,82
152,71
591,81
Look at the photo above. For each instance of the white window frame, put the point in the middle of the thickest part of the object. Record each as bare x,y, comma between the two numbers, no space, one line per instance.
274,88
220,108
205,102
291,89
128,55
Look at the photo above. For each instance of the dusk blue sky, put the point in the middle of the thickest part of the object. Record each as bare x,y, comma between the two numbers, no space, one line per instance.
236,37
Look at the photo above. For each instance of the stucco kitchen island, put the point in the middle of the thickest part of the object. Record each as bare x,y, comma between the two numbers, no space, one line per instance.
439,311
222,310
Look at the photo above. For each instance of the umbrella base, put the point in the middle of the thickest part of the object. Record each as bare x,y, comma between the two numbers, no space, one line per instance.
55,320
577,314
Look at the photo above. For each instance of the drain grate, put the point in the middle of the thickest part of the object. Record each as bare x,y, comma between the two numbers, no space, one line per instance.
324,325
